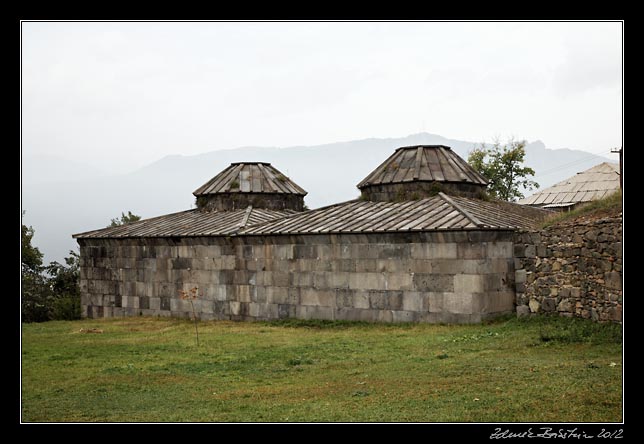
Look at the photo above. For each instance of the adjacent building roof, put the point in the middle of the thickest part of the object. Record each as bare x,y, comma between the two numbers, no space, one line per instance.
423,163
440,212
188,223
592,184
250,177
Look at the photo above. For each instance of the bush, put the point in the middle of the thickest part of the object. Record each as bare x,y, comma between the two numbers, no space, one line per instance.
51,292
66,308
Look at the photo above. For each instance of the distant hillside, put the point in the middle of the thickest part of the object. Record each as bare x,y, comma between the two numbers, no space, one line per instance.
329,173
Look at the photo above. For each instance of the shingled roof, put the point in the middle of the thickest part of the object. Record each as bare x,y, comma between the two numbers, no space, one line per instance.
441,212
423,163
250,177
188,223
592,184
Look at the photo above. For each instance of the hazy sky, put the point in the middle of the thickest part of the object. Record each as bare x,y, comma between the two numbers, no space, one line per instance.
121,95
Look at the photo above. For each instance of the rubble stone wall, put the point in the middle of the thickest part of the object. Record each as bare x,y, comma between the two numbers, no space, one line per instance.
572,268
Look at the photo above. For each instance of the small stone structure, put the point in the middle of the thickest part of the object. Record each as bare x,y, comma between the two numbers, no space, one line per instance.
573,269
405,251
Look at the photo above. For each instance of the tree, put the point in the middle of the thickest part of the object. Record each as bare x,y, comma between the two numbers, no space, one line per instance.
64,284
35,293
503,167
48,292
125,219
31,256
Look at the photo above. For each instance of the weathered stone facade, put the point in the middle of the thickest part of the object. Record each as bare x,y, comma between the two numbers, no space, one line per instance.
239,201
395,192
574,269
451,277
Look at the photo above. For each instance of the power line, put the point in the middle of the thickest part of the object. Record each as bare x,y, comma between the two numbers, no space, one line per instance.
574,162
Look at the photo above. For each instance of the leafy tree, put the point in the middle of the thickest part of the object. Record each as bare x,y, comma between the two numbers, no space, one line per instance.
503,166
35,292
30,255
64,284
48,292
125,219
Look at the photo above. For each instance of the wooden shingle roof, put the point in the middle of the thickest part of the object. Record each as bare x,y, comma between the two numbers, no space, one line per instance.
423,163
187,223
250,177
592,184
440,212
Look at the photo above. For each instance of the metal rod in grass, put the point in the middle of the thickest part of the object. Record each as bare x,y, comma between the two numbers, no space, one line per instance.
190,296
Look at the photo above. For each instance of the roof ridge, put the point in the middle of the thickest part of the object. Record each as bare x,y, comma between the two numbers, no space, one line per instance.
461,210
244,220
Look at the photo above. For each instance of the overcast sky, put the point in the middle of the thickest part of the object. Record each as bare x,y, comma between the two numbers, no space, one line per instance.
121,95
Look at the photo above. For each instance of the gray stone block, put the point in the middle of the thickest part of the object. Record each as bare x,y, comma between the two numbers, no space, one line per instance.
404,316
313,312
398,281
530,251
433,282
282,295
221,308
366,281
356,314
434,301
285,311
549,304
520,276
243,293
414,301
523,310
361,299
434,251
493,302
471,250
500,250
365,265
343,298
457,303
469,283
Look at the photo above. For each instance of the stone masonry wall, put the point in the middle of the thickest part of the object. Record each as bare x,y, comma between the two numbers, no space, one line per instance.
396,192
574,269
425,277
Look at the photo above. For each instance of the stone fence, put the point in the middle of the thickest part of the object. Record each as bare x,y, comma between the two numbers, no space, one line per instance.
572,268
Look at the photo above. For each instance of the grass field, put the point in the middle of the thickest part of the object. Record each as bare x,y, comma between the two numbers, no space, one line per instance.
147,369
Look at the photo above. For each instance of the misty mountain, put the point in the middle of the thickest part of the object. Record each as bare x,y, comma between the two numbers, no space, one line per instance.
49,168
88,200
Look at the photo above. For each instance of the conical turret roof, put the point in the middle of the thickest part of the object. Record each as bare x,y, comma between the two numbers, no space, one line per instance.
250,177
423,163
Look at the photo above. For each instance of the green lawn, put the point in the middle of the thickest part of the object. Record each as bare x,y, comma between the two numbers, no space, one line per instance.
148,369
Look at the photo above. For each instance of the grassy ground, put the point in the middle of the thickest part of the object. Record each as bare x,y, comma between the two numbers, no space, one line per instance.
147,369
608,206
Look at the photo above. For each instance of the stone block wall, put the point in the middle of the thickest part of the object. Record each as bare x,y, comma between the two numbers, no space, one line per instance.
573,269
397,192
450,277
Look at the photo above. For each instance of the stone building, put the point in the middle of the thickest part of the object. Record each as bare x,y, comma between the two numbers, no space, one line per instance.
420,244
